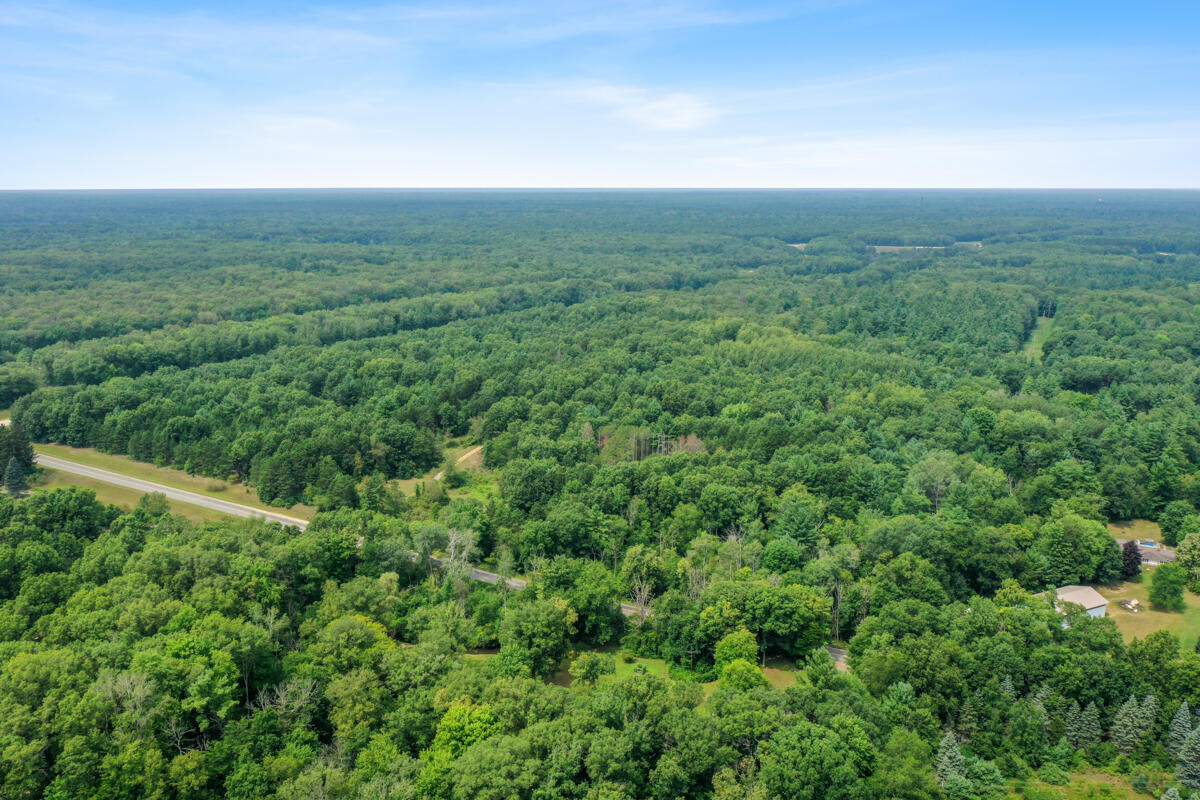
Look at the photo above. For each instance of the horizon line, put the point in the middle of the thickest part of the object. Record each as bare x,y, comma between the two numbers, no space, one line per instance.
604,189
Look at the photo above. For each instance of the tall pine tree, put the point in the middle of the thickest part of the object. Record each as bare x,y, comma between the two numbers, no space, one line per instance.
1089,727
968,719
1187,763
949,760
14,477
1073,724
1147,717
1181,727
1126,733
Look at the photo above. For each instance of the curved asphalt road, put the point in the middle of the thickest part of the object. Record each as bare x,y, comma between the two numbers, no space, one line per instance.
182,495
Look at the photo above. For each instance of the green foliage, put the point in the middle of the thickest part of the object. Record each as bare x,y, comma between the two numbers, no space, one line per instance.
738,645
536,635
949,761
14,477
1187,761
589,667
1180,728
760,448
1166,587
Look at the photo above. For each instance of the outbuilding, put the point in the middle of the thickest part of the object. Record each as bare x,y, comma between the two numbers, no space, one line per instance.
1092,601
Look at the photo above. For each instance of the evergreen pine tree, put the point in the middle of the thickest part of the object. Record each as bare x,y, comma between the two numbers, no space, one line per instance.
949,760
1147,717
14,477
968,719
1126,728
1171,794
1181,726
1006,686
1072,725
1187,764
1089,727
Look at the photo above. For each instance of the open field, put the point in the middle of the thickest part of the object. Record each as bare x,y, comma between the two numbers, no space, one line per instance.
1082,786
1033,348
1185,625
466,458
119,495
233,492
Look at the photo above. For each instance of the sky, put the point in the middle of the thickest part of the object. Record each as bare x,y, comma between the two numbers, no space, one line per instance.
686,93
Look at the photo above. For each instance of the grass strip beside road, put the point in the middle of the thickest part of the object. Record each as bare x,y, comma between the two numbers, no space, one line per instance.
174,478
120,496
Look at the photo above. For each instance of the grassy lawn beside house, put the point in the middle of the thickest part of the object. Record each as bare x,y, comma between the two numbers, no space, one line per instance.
1185,624
1136,529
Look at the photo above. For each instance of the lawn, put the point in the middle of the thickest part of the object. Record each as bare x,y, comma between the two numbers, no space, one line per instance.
119,495
1185,624
178,479
1136,529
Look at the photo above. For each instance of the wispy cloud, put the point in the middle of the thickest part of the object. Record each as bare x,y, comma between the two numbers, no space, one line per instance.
662,111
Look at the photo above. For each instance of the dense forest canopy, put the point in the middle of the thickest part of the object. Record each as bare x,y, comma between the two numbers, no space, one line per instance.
768,420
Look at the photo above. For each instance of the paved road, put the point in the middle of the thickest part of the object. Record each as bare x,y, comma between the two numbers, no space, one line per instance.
840,657
238,510
483,576
182,495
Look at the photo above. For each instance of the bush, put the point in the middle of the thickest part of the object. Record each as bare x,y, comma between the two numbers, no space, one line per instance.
1053,774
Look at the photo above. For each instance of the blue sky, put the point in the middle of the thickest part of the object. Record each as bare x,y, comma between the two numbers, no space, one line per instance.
815,93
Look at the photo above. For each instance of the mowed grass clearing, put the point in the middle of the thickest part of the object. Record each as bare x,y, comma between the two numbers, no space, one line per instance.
1033,348
177,479
1185,624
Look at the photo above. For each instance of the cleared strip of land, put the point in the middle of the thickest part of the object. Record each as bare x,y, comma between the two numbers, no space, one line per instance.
182,495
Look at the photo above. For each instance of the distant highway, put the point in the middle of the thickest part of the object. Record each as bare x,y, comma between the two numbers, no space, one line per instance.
182,495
